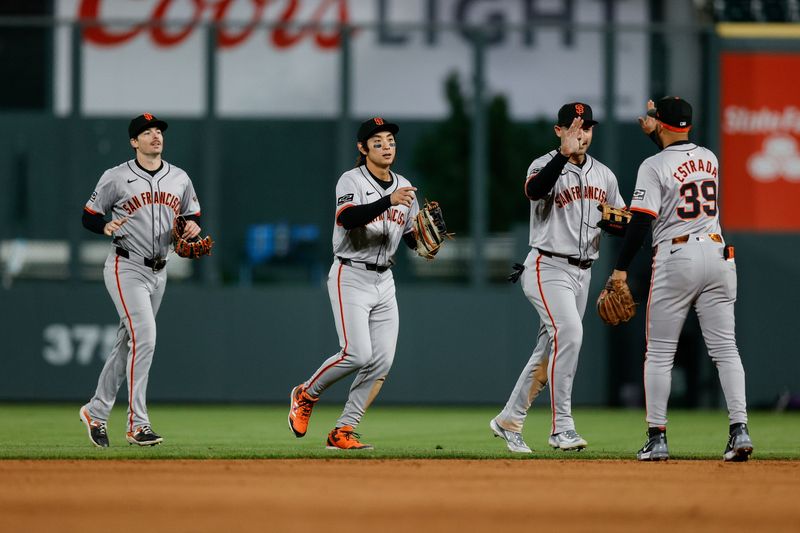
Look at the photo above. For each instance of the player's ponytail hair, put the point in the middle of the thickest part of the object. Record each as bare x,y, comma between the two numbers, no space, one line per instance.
362,158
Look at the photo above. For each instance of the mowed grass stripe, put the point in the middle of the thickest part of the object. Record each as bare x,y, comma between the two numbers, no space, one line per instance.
260,432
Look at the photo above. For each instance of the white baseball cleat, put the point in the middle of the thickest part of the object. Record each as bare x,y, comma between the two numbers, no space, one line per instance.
567,440
513,439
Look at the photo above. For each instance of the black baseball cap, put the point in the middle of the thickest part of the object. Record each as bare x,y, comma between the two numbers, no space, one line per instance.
144,121
374,125
674,113
573,110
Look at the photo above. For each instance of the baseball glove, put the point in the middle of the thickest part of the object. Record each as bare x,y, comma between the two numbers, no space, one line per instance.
617,304
430,230
613,220
191,248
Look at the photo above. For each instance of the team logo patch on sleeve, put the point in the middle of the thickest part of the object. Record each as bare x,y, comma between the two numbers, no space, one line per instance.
638,194
344,199
94,196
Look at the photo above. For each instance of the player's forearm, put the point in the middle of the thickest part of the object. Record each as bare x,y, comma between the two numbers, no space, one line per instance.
542,183
634,237
94,222
361,215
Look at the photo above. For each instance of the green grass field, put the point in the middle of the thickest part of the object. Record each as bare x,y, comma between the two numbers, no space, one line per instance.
251,431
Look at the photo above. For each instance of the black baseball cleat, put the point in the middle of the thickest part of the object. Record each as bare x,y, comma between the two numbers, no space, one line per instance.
655,449
97,430
739,445
143,436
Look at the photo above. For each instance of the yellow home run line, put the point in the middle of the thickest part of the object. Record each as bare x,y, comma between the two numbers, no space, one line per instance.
748,30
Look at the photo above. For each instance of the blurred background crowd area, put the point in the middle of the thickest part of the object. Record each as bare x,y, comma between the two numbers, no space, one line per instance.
264,98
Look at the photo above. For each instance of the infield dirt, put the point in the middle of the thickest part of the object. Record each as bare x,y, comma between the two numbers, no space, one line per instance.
398,495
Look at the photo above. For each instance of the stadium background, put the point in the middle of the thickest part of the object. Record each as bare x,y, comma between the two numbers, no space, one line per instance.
264,152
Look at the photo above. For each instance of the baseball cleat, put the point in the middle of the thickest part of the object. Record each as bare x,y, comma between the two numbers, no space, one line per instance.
739,445
345,438
567,440
143,436
655,449
96,429
513,439
300,406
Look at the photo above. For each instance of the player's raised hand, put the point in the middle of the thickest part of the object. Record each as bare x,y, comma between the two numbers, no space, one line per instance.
114,225
648,123
571,138
403,195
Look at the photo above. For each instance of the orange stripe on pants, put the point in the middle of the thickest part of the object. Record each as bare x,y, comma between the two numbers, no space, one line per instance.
555,345
133,343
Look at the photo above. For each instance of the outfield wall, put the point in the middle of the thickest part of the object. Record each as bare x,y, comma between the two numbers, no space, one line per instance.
457,344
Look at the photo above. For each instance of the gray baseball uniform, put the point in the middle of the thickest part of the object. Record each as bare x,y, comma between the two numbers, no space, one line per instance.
135,274
564,240
679,187
362,293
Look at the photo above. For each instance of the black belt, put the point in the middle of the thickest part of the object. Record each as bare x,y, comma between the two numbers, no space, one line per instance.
586,263
156,264
368,266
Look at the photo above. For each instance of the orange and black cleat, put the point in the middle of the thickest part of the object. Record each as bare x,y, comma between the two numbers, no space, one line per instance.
300,406
345,438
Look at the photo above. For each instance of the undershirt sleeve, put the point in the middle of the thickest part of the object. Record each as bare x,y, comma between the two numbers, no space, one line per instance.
634,237
94,222
360,215
409,239
539,185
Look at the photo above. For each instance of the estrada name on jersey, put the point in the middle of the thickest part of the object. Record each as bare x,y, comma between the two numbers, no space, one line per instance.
565,221
377,241
150,201
679,187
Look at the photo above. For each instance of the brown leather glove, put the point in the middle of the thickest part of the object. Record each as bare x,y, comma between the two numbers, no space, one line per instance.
616,303
430,230
613,220
191,248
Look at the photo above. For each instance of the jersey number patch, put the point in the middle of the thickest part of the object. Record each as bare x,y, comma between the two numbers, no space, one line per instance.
698,199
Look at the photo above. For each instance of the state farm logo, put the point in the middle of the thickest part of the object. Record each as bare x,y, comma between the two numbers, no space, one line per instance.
778,156
762,121
777,159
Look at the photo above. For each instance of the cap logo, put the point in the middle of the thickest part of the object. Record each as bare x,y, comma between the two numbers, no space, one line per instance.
378,121
148,116
579,109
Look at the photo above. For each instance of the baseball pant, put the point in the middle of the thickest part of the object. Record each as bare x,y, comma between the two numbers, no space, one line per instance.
692,274
137,292
559,292
367,321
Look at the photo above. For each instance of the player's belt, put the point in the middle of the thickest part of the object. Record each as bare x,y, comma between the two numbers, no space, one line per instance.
716,237
583,264
363,265
156,264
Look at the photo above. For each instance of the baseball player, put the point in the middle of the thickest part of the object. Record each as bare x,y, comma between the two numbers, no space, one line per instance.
676,193
135,203
564,187
375,208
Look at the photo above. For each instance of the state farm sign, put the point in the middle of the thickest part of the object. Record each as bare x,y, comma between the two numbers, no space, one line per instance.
760,132
280,58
